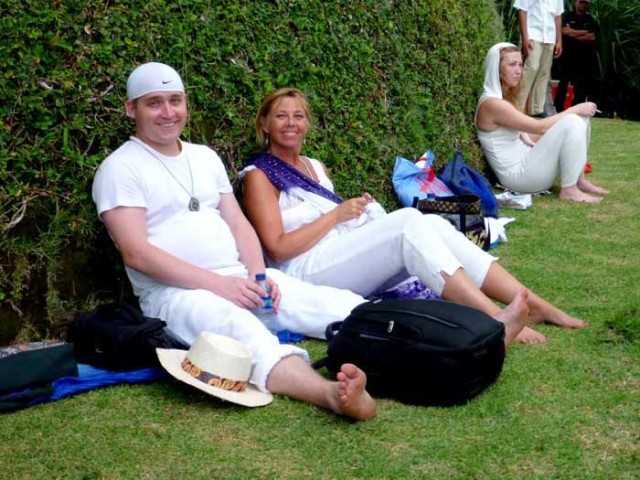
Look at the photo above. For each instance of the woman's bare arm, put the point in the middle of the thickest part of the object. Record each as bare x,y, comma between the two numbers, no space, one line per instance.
263,210
494,113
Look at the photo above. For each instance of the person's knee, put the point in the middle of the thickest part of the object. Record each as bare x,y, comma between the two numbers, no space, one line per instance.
430,229
200,297
572,123
402,221
410,214
438,224
411,219
191,311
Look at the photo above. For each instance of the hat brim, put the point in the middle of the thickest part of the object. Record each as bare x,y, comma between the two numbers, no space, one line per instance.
171,361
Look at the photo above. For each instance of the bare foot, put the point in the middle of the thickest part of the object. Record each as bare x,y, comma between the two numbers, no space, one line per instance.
352,398
530,336
588,187
544,312
579,196
515,316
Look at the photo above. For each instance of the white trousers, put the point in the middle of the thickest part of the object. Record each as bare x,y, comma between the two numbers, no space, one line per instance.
399,245
304,308
561,151
535,77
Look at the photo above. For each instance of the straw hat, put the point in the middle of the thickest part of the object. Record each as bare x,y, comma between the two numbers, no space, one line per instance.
217,365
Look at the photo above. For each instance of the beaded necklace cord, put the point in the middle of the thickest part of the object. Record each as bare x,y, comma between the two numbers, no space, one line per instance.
194,203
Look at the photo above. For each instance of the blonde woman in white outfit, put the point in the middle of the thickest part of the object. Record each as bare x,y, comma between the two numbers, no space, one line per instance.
312,234
527,154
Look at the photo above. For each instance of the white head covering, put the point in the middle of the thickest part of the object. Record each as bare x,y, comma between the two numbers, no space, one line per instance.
492,86
153,77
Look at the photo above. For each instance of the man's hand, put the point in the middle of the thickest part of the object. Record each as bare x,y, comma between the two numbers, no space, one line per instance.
275,294
243,292
557,50
527,48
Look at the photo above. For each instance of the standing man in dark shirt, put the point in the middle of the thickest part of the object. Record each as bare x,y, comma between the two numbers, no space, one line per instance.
579,63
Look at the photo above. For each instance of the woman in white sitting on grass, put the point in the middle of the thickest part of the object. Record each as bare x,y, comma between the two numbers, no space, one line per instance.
310,233
527,154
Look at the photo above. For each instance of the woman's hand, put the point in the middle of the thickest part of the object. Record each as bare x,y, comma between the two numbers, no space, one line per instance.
352,208
586,109
526,139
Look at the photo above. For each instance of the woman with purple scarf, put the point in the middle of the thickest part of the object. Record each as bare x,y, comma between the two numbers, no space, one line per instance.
311,233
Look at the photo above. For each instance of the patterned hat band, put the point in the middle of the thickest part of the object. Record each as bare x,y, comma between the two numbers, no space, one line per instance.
212,379
227,357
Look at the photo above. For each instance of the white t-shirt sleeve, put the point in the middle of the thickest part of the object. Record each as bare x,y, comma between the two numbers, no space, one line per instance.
221,177
118,183
521,5
559,7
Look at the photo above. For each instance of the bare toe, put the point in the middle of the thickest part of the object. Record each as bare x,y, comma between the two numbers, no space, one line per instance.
530,336
353,399
580,197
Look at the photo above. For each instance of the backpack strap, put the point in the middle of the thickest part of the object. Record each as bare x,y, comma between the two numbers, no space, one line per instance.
331,331
318,364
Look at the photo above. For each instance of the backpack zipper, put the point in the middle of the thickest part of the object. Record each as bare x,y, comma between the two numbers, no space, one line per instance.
416,314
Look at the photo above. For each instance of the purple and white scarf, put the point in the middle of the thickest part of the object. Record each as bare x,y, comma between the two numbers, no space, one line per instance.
284,177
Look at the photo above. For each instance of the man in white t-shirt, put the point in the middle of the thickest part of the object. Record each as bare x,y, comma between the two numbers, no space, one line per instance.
541,33
192,256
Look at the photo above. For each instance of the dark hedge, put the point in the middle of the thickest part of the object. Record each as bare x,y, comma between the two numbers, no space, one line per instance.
385,78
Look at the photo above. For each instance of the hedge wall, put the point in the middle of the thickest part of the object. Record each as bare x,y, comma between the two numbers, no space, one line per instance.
385,78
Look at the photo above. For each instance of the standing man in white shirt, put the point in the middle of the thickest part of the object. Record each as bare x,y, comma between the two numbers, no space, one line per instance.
541,33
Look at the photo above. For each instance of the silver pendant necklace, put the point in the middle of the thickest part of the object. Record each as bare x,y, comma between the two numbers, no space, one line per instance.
194,203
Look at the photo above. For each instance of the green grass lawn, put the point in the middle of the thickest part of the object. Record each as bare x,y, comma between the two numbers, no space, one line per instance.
569,409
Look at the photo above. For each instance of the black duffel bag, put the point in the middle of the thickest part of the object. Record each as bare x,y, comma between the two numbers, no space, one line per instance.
424,352
117,336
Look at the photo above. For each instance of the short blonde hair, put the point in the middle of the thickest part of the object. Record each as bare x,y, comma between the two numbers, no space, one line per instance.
269,103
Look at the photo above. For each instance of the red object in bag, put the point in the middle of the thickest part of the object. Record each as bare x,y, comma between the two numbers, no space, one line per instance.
568,101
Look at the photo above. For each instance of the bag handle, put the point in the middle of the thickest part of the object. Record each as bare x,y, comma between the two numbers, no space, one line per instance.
331,331
318,364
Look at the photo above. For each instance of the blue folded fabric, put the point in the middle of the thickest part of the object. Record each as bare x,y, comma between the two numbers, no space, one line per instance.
285,336
89,378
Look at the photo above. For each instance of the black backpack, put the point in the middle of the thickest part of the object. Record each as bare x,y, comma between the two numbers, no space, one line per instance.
117,336
424,352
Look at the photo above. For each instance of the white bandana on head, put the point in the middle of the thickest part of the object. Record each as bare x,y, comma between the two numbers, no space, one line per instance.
492,86
153,77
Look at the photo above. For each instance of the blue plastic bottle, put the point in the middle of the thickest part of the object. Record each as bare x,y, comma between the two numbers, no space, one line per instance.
265,313
261,279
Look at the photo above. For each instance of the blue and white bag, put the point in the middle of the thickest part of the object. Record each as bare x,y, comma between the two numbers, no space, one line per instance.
418,179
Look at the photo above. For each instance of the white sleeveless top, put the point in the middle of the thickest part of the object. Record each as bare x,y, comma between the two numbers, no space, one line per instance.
297,211
299,207
503,148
